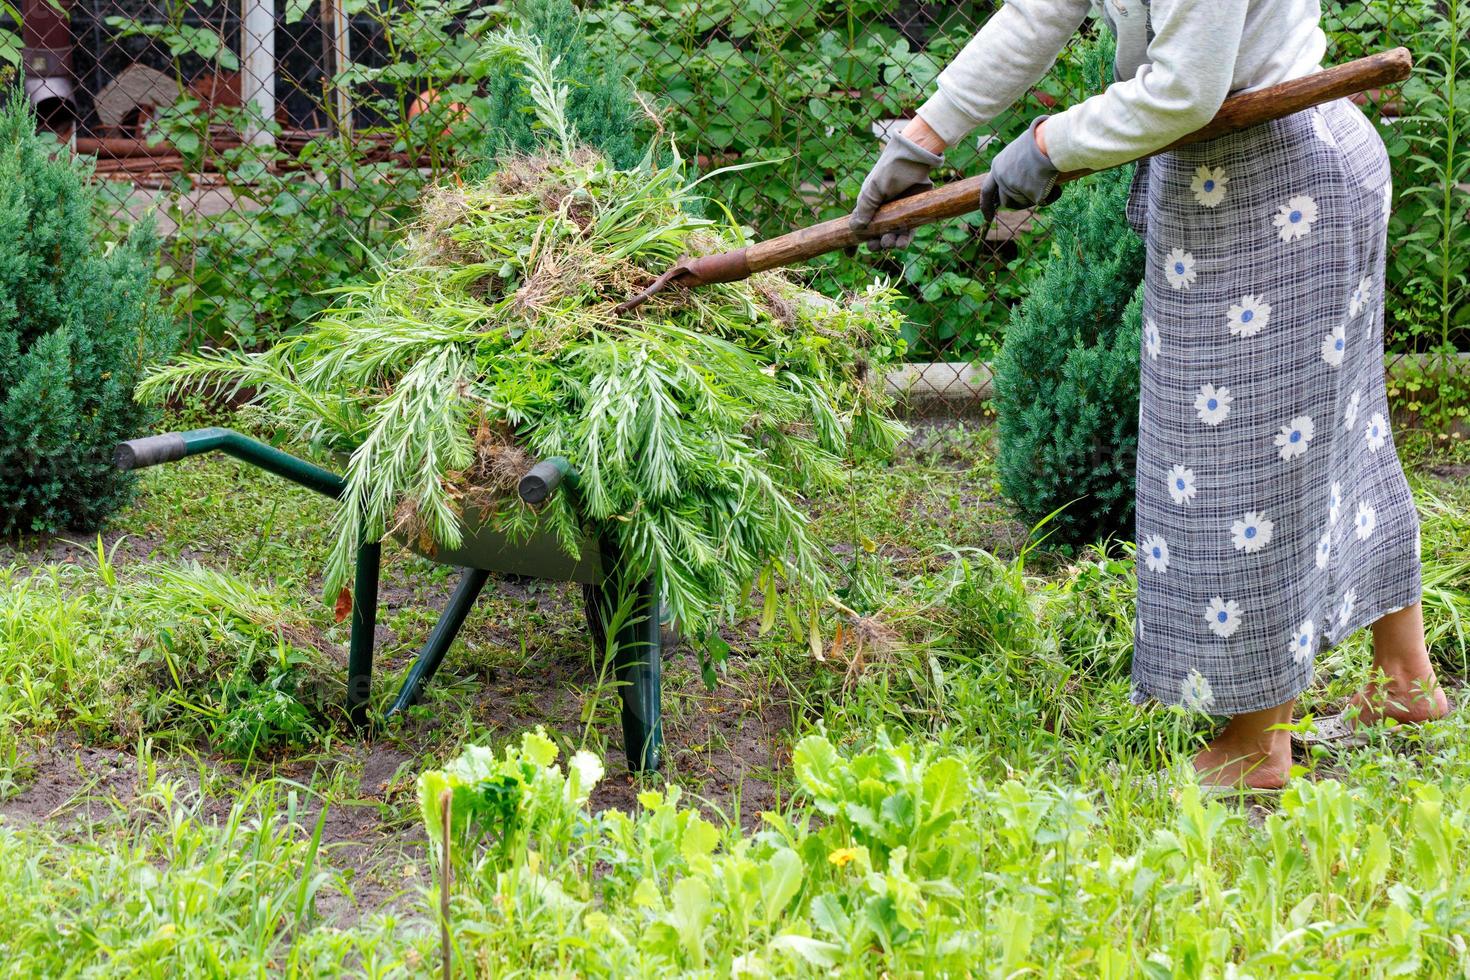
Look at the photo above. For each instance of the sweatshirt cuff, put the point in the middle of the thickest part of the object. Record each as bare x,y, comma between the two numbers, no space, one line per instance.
946,118
1065,156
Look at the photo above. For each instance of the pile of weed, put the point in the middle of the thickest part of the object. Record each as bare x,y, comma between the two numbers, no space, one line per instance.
178,652
491,338
224,658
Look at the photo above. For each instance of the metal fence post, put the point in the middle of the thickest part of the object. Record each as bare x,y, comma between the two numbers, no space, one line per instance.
258,60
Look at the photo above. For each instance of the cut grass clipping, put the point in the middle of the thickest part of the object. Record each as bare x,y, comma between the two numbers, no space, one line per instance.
489,340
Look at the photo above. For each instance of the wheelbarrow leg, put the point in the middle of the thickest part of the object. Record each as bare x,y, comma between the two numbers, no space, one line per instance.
364,625
471,583
637,665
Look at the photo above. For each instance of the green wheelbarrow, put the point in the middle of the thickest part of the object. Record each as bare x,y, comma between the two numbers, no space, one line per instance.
638,643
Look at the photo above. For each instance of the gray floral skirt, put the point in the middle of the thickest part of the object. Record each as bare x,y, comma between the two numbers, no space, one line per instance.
1273,514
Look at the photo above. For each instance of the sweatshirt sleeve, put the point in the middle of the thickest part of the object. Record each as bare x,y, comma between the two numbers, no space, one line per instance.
1011,52
1191,63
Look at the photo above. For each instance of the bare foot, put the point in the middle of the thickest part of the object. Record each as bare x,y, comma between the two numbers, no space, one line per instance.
1403,687
1407,700
1249,752
1221,766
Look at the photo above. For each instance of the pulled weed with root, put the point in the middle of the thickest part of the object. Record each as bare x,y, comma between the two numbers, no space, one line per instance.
491,337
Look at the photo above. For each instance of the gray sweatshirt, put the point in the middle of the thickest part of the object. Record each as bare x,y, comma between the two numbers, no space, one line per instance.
1177,61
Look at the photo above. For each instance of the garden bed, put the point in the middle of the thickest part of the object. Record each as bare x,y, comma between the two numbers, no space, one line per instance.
1000,695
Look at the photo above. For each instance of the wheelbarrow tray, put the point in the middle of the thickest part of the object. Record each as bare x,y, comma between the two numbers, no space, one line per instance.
539,554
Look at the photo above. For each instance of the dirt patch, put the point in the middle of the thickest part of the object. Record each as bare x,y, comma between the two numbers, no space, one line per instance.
72,789
76,547
70,783
1453,472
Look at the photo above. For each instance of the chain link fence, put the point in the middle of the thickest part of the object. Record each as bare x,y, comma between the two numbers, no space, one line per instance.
280,142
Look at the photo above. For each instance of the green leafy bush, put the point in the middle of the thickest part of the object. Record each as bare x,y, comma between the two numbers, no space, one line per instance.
78,323
1066,381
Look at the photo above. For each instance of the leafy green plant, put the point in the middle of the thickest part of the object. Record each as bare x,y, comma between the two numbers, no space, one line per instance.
10,41
1439,168
78,322
1066,381
897,859
1430,225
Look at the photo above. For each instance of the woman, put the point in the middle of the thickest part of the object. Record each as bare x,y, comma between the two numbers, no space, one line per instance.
1273,515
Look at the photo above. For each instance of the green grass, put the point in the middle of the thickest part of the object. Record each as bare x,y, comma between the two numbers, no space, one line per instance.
195,651
168,888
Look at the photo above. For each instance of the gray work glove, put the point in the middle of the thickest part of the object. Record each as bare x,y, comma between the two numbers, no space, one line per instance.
902,169
1021,176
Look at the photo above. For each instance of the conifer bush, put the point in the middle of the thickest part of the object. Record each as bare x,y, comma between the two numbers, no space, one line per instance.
1066,380
78,323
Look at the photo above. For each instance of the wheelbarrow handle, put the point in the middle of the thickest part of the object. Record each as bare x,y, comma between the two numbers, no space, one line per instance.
963,196
541,480
135,454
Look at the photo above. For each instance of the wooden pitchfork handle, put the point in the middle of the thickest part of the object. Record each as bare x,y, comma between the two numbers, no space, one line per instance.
963,196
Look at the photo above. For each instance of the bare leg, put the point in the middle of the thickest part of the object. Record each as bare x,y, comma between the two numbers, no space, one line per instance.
1248,753
1403,686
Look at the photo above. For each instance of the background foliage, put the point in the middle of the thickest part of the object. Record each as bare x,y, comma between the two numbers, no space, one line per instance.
798,85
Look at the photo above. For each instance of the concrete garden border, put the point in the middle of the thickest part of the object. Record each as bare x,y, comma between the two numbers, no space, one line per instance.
962,385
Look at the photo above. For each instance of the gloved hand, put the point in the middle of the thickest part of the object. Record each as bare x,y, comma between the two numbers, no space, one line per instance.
902,169
1021,176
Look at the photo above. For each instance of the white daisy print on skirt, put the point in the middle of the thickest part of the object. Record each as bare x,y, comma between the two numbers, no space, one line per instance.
1212,404
1153,341
1334,503
1209,185
1324,549
1365,521
1376,432
1345,608
1295,218
1252,532
1359,300
1350,414
1195,693
1334,345
1249,317
1156,554
1387,202
1293,438
1179,269
1303,643
1181,484
1223,616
